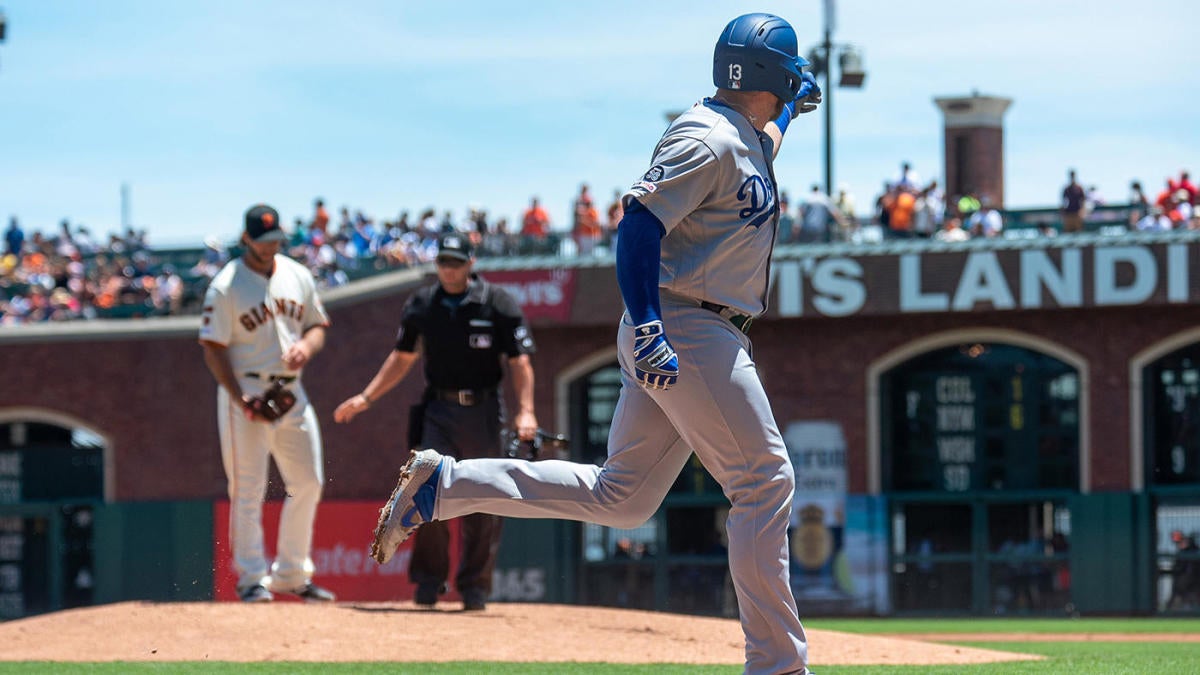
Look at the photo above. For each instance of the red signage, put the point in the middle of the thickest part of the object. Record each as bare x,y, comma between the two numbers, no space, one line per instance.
340,553
542,294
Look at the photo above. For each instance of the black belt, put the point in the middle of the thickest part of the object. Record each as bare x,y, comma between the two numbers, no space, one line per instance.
463,397
740,321
269,377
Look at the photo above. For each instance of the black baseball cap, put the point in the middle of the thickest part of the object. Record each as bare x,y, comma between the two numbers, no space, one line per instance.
454,246
262,224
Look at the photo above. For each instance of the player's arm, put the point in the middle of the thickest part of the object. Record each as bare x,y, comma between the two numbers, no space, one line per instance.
807,99
216,357
639,254
390,374
302,350
520,369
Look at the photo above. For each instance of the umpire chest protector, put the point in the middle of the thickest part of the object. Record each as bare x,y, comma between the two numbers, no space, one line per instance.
463,337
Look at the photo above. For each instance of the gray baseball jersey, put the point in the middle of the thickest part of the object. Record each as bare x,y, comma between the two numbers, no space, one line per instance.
712,186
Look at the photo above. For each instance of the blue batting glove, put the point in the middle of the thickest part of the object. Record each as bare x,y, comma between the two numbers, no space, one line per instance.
654,360
808,97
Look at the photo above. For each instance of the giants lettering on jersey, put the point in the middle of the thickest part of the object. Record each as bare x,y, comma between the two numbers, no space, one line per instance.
257,316
761,197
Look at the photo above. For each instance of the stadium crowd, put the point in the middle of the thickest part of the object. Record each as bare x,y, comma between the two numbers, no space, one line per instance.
72,274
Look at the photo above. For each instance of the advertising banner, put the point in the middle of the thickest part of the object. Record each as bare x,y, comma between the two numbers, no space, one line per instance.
837,542
340,553
542,294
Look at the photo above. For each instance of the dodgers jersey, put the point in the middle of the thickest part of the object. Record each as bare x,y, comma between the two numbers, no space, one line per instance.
259,318
712,185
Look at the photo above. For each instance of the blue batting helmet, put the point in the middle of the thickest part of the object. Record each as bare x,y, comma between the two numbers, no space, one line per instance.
757,52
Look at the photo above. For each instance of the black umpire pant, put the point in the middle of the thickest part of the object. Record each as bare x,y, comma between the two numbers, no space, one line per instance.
463,432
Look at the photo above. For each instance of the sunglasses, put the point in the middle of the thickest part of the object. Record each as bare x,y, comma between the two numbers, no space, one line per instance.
450,262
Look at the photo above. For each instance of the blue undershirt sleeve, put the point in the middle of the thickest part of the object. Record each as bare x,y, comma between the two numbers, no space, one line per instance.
639,253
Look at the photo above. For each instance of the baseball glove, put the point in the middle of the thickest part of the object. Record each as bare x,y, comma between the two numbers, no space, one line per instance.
273,403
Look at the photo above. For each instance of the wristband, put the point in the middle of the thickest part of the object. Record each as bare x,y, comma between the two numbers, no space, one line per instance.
785,117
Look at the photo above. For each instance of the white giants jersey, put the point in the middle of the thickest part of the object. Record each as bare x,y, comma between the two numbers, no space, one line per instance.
259,318
712,185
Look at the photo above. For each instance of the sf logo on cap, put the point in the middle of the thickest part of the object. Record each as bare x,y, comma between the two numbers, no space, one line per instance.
268,220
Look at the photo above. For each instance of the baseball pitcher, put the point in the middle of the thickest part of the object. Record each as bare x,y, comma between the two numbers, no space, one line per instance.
262,322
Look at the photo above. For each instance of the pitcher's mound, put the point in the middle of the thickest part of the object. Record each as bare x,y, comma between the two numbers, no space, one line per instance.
287,631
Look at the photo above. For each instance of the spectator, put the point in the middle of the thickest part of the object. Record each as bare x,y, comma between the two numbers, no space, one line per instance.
930,210
1185,572
616,211
320,219
967,204
881,206
1092,200
952,231
506,241
787,223
1073,202
1185,183
535,226
586,227
1154,221
479,223
818,216
901,205
14,237
845,204
1179,209
987,221
908,179
429,224
1138,203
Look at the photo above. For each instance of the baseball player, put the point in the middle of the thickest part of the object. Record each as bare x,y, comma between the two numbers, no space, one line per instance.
262,322
693,260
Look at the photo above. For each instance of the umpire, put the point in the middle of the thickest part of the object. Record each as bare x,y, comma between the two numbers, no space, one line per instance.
466,325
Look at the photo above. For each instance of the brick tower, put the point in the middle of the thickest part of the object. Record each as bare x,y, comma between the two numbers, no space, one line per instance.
974,145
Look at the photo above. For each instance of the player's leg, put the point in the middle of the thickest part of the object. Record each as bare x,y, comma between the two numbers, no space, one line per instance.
644,457
722,412
429,566
474,433
244,454
297,452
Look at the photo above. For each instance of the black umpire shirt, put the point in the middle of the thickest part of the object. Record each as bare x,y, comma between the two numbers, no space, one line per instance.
464,335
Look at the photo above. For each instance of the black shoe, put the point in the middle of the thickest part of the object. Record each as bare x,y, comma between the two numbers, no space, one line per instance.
311,592
427,594
255,593
474,599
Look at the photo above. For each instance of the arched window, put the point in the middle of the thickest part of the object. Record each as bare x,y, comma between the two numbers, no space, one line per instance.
980,417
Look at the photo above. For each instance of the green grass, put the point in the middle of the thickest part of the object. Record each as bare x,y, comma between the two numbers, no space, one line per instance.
1062,658
1006,625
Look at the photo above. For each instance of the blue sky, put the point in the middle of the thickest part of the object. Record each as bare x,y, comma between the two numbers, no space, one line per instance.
204,108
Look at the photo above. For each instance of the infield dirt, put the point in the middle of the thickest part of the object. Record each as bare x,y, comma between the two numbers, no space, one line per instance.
401,632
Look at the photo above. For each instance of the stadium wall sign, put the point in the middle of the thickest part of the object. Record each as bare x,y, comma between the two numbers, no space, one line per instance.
1031,278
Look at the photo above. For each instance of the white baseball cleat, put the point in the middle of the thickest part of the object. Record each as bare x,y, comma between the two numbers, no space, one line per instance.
415,493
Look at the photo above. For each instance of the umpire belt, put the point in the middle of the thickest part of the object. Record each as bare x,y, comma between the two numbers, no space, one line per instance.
463,397
271,377
740,321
